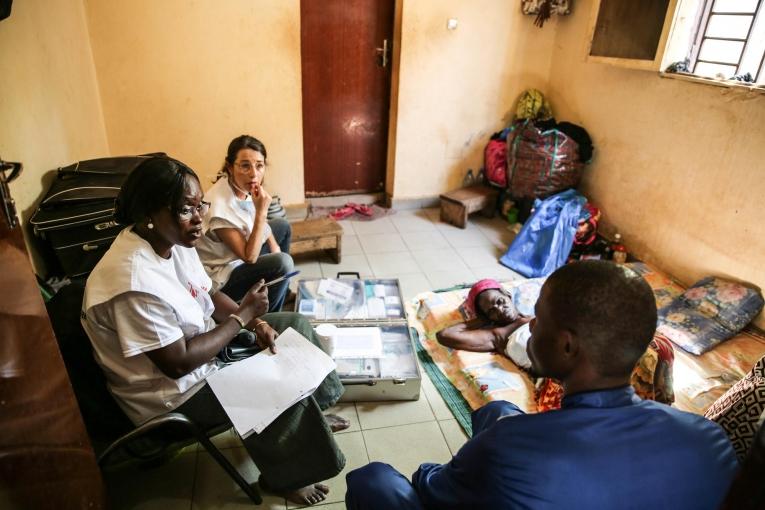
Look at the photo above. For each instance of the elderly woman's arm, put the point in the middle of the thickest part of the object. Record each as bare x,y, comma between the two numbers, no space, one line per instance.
468,337
186,354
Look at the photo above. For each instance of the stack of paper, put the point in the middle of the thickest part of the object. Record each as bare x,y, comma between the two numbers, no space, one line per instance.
255,391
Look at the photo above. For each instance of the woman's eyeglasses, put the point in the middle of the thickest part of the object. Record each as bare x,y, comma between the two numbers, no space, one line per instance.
247,167
186,212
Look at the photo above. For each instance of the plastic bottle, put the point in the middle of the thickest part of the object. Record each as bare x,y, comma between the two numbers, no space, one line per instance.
619,251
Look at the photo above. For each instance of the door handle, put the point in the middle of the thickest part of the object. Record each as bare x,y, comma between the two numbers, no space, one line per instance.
382,53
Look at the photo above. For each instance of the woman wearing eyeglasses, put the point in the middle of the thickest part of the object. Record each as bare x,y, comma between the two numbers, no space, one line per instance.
156,328
239,246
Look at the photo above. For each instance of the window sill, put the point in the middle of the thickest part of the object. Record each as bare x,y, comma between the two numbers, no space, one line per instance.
730,84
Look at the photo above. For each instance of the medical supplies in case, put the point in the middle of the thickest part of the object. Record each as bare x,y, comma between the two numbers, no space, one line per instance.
362,325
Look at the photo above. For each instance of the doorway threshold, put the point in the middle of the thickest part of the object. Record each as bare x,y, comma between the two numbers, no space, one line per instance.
340,200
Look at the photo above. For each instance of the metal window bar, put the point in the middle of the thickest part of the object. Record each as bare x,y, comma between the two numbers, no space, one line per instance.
707,12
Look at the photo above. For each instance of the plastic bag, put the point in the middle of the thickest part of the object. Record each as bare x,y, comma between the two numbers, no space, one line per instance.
545,241
541,162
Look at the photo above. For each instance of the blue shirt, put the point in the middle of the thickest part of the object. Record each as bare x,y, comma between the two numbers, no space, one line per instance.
602,450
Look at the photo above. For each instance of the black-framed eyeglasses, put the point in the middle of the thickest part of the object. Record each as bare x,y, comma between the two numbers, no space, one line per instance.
186,212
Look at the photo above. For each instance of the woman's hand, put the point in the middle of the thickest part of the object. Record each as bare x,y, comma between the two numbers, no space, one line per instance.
261,198
254,303
265,335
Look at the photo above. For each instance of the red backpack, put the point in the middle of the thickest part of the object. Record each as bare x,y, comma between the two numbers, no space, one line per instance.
495,162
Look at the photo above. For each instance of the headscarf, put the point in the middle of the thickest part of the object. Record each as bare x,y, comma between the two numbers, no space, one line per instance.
476,289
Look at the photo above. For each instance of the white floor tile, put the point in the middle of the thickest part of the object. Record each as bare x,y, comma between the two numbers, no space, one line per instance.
374,415
436,401
453,433
168,486
407,446
215,489
378,226
385,265
460,238
432,240
479,256
353,447
413,284
347,227
413,221
351,245
496,271
446,279
357,263
445,259
500,235
308,269
227,439
381,243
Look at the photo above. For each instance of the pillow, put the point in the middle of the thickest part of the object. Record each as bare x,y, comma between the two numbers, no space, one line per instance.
740,409
709,312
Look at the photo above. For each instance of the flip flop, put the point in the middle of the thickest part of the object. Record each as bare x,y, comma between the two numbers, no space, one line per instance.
362,209
342,213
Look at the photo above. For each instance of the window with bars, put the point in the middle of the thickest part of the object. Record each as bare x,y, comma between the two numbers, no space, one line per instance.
730,40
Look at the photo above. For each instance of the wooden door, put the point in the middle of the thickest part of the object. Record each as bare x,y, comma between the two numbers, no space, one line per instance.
46,460
346,71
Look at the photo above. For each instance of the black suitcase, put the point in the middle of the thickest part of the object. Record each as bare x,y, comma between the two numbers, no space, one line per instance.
75,219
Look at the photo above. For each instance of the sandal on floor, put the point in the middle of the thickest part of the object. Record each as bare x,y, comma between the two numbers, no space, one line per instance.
342,213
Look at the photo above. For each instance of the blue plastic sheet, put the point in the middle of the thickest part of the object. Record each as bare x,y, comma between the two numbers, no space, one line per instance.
545,241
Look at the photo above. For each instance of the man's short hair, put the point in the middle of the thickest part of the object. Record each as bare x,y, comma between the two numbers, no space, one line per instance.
609,307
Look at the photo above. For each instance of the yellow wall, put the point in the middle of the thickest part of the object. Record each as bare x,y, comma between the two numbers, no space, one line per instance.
187,77
679,167
457,87
50,113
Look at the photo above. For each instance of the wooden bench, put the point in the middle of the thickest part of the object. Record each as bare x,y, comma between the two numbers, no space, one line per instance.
321,234
458,204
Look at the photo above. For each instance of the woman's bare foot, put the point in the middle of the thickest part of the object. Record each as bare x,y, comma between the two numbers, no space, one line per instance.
336,423
308,495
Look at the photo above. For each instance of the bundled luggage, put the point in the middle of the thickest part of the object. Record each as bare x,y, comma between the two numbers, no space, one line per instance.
76,217
541,161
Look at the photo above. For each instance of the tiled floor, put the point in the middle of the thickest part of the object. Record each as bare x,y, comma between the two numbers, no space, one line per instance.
423,254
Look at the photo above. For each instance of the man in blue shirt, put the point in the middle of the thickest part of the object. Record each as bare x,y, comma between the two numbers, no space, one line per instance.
604,449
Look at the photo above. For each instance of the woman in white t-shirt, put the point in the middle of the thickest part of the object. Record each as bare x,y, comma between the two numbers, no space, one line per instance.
156,328
239,246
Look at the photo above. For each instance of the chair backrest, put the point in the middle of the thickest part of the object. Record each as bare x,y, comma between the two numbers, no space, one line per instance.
103,418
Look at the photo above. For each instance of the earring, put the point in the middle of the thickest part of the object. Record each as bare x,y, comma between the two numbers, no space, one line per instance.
150,225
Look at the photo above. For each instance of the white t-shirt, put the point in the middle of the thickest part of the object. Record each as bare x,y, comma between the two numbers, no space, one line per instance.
226,211
135,302
516,346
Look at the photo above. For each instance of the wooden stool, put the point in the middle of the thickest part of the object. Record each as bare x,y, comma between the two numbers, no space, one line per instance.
321,234
457,204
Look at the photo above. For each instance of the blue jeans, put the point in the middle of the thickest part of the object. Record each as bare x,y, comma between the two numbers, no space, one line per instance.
268,266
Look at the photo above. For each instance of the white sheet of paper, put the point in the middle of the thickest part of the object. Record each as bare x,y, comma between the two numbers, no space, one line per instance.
256,390
351,343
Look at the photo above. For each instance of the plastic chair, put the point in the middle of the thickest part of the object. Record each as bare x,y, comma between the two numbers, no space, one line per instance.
108,427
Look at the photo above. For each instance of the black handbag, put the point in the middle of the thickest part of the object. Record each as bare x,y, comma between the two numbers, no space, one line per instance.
243,345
